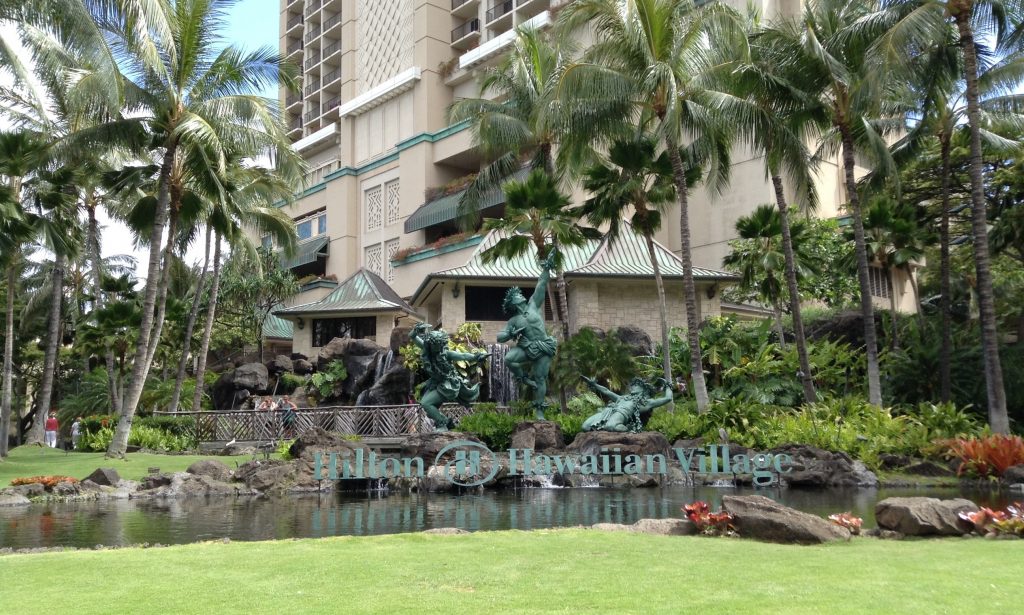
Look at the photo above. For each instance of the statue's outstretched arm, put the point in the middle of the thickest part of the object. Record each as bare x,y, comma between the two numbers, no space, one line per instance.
537,299
612,395
659,401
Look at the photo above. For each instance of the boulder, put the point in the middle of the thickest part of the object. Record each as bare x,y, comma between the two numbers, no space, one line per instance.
756,516
317,440
600,442
928,468
210,468
918,516
30,490
155,481
427,445
185,484
815,467
1014,474
665,527
296,356
13,499
612,527
104,476
392,389
280,364
302,367
399,338
636,339
445,531
360,358
65,488
252,376
538,436
893,461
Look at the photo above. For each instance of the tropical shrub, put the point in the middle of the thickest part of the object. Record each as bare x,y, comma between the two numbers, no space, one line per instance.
709,523
325,381
49,481
847,520
986,456
141,435
493,428
1009,521
571,424
605,359
175,425
683,423
288,382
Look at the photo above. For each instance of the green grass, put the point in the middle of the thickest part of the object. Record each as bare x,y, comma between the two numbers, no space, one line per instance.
556,571
36,461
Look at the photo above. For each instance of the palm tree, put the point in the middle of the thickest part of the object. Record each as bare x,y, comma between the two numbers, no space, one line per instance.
516,116
193,315
759,259
634,178
828,47
660,62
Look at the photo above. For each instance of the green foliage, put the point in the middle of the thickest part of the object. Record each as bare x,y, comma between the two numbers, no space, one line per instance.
586,403
176,425
411,360
327,380
493,428
607,360
151,438
284,449
250,287
683,423
288,382
989,455
468,338
571,424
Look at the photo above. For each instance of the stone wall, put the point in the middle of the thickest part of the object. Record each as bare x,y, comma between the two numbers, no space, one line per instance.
609,304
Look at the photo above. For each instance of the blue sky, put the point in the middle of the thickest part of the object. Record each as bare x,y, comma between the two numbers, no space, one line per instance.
252,24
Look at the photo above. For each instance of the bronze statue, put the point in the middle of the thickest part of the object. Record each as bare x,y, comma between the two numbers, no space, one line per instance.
444,382
625,412
530,359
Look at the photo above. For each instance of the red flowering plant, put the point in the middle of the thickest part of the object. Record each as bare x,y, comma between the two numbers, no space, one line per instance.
847,520
47,481
709,523
987,521
986,456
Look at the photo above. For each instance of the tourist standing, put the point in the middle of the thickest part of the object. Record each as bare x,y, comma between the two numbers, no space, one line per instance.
52,426
76,432
288,416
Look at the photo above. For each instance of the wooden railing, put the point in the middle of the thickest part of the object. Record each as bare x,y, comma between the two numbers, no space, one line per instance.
372,421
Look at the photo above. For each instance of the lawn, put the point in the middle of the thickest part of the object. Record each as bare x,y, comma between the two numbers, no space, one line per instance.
554,571
36,460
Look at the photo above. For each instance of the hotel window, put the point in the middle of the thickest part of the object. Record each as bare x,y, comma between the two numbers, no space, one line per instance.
391,190
373,208
880,282
391,248
310,227
326,329
317,175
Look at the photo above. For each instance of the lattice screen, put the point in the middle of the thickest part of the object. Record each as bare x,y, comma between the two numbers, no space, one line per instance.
373,258
390,248
373,208
391,188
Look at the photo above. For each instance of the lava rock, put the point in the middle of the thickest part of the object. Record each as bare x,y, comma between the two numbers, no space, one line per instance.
302,367
893,461
392,389
317,440
65,488
154,481
815,467
104,476
756,516
638,341
599,442
1014,474
427,445
665,527
30,490
252,376
13,499
211,468
279,365
917,516
399,338
928,468
538,436
360,358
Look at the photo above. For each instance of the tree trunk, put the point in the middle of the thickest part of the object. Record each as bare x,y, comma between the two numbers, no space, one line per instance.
8,393
666,358
165,280
866,308
997,416
35,435
945,300
179,379
93,247
894,343
211,311
806,377
700,388
779,329
140,370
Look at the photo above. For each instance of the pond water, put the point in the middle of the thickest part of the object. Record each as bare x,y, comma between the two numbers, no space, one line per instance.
179,521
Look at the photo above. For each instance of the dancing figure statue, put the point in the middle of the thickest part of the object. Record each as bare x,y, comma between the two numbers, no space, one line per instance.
530,359
626,412
444,382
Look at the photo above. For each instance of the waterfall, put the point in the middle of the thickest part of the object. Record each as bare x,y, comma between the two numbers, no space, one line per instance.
503,387
383,365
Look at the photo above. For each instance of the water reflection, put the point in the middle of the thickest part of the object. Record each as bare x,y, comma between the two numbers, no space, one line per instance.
123,522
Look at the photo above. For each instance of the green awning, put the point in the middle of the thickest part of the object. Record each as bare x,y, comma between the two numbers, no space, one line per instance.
446,208
307,253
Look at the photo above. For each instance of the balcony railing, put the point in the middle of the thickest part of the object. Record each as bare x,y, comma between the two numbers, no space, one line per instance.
332,103
332,49
296,46
312,33
294,21
310,116
295,124
473,25
333,21
310,88
311,62
332,76
312,6
293,99
457,3
499,9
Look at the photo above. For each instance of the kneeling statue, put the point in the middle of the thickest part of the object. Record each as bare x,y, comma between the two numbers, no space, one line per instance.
626,412
444,382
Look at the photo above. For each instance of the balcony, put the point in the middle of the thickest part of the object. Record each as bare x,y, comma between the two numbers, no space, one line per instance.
466,35
312,6
295,47
311,62
295,124
294,22
465,8
331,77
331,104
332,22
529,8
311,87
499,16
331,49
312,33
292,100
310,116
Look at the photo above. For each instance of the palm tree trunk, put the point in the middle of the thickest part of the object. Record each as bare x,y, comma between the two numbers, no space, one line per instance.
866,308
35,434
806,377
93,247
997,416
165,280
700,389
780,330
666,355
945,300
140,369
211,311
179,379
8,394
894,342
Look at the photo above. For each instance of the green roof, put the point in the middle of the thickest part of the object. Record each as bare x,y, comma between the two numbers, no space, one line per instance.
307,252
446,208
626,257
277,328
363,291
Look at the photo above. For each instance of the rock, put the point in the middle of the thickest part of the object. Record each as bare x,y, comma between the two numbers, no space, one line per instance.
65,488
445,531
184,484
399,338
301,367
883,534
392,389
924,516
427,445
756,516
665,527
297,356
642,481
690,443
1017,488
928,468
815,467
87,486
154,481
600,442
279,365
360,358
892,461
317,440
211,468
104,476
636,339
612,527
30,490
252,376
538,436
13,499
1014,474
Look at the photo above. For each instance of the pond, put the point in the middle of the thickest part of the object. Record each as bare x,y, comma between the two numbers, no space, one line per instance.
179,521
